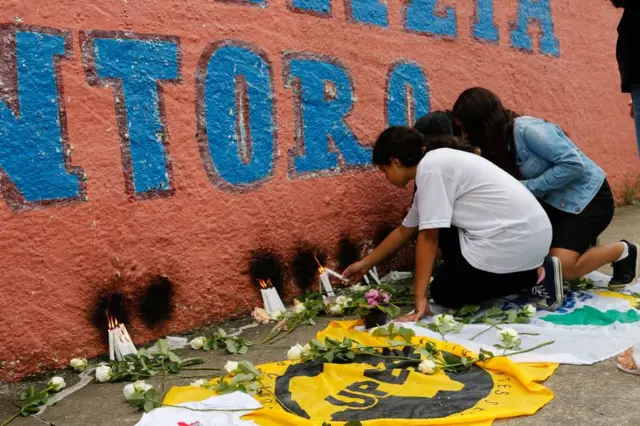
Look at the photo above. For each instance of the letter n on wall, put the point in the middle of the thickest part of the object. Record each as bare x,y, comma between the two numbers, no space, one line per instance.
134,65
35,158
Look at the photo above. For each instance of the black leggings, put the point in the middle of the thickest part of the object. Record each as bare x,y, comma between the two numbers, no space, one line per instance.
457,283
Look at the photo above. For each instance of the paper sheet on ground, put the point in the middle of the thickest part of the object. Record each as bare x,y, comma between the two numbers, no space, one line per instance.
390,392
591,326
174,416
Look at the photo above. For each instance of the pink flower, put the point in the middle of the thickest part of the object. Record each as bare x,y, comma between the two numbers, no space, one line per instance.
372,302
386,297
371,294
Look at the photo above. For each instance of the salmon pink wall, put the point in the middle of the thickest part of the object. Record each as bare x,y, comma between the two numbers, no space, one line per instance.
171,138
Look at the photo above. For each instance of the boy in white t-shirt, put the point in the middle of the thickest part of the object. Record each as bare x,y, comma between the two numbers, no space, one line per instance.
493,233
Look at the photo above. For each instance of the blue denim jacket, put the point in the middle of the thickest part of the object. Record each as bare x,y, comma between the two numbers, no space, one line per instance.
553,167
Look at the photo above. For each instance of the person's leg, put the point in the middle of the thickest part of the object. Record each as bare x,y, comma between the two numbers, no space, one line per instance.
573,237
458,283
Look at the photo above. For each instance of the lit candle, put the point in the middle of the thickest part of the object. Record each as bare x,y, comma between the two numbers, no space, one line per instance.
335,274
324,280
111,348
131,348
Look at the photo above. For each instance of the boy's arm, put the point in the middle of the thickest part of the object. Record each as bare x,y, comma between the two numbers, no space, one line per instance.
425,258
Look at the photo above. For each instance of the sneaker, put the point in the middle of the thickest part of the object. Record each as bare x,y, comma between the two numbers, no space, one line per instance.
550,289
625,271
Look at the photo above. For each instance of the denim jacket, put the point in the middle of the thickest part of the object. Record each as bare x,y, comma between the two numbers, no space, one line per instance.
553,168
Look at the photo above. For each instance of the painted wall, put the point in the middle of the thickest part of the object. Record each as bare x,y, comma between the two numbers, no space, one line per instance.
172,138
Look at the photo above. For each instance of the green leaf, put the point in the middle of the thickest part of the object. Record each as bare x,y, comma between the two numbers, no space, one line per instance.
397,342
243,349
241,378
148,406
353,423
163,346
329,356
222,333
232,346
406,333
468,310
511,317
494,312
380,331
174,358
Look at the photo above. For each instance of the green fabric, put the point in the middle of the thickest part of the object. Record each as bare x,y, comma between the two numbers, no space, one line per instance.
587,315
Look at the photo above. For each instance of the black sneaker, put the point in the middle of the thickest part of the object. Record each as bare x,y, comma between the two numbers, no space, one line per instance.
626,270
550,289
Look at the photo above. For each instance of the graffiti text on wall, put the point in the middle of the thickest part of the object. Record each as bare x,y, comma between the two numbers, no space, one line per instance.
235,108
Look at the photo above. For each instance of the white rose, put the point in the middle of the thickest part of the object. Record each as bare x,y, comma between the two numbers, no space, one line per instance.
529,310
341,300
427,367
508,335
78,364
295,353
142,386
128,391
358,287
56,383
275,315
298,307
335,309
231,366
199,383
197,343
444,319
306,349
103,373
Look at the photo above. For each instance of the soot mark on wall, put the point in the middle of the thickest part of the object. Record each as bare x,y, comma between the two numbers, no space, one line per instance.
304,267
156,303
266,264
113,302
348,252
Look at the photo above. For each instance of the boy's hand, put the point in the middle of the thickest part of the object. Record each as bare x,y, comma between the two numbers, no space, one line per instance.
422,309
356,271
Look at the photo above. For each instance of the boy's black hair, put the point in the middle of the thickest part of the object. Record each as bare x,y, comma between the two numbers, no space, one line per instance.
409,146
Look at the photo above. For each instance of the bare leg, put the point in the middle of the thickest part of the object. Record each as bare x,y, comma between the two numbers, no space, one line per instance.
575,265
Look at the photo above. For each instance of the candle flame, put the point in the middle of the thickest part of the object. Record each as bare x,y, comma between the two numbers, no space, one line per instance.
265,284
320,267
112,322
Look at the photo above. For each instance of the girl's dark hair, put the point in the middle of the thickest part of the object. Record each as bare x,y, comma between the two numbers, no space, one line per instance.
409,146
619,3
437,123
489,126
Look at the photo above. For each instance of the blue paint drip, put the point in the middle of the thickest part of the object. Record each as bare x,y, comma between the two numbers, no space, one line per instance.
323,117
538,10
31,151
318,6
369,12
140,64
400,76
421,18
485,26
225,67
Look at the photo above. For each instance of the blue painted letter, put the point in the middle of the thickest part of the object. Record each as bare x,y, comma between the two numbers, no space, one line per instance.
235,115
421,18
316,7
139,64
484,27
401,77
535,10
323,99
32,141
371,12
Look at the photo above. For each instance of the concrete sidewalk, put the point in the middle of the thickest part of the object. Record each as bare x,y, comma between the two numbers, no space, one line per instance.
594,395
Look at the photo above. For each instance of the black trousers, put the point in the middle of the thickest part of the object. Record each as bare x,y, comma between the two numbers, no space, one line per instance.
457,283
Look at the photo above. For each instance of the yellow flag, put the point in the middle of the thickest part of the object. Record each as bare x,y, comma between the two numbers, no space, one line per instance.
389,389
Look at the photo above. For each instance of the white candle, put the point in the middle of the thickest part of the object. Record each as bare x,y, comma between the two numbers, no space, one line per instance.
375,273
117,343
129,341
324,280
276,301
366,279
265,300
111,348
375,277
335,274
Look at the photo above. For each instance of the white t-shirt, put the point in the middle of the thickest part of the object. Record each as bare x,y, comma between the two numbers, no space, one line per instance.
502,226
